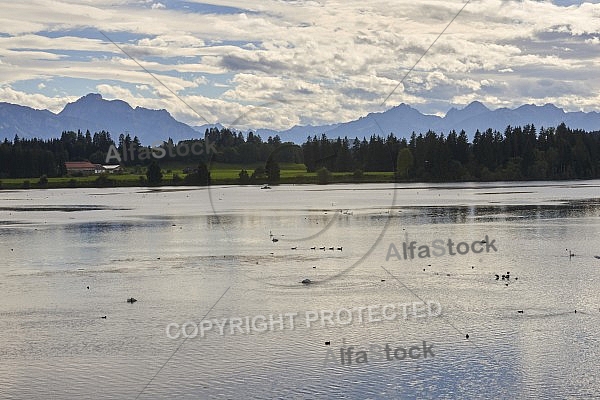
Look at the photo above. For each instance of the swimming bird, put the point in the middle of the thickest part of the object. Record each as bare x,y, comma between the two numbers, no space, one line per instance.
339,248
570,254
520,311
103,317
467,336
313,248
321,248
327,343
295,248
131,300
331,248
306,281
275,240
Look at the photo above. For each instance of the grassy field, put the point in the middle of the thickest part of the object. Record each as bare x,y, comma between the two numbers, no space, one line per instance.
221,174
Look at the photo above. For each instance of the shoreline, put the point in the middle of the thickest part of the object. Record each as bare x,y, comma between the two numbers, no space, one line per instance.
86,182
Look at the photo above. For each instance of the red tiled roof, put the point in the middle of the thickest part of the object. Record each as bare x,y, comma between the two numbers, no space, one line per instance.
80,165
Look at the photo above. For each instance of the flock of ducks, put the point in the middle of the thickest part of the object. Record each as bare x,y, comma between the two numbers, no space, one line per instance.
275,240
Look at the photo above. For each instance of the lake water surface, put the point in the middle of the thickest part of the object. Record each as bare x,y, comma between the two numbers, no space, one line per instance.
206,257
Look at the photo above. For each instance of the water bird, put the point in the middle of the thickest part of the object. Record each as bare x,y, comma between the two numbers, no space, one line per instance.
339,248
275,240
131,300
598,257
467,336
88,288
314,267
383,280
497,276
321,248
520,311
327,343
295,248
570,254
306,281
483,242
331,248
103,317
313,248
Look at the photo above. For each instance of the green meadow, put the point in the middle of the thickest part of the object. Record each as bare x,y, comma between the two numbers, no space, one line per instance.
221,174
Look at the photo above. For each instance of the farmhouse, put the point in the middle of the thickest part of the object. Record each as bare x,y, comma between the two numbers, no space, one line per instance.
87,168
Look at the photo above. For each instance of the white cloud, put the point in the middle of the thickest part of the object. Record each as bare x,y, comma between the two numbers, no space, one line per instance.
285,63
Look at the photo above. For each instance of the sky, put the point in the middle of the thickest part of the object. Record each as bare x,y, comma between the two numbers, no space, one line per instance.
277,64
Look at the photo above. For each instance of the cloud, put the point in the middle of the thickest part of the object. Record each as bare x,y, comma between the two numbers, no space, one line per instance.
283,63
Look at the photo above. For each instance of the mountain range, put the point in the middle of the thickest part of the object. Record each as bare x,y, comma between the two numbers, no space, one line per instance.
93,113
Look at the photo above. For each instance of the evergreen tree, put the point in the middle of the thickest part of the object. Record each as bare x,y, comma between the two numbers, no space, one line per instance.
272,170
154,174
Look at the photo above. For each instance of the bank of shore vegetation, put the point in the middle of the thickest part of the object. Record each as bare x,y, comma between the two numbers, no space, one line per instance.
518,153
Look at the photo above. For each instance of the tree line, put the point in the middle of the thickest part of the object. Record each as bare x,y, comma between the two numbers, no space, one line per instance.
518,153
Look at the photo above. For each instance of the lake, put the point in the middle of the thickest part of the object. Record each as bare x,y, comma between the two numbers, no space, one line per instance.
221,312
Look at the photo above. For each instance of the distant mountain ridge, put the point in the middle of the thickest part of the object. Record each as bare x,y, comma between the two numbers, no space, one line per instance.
403,120
93,113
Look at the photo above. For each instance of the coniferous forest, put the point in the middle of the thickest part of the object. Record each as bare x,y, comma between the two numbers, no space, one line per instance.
518,153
